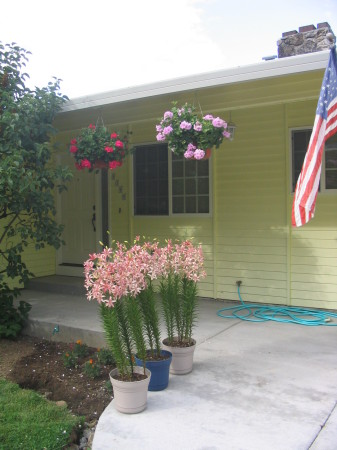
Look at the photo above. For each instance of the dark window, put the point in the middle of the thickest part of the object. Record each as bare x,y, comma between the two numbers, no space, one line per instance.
151,180
300,142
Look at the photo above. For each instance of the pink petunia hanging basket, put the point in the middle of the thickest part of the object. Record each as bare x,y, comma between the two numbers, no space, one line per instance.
191,134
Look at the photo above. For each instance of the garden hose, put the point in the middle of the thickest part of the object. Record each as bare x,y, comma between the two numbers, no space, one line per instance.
287,314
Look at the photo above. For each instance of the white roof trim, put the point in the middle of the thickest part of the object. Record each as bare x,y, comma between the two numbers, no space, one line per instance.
266,69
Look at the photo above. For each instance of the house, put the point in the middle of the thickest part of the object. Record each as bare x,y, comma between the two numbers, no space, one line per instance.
238,203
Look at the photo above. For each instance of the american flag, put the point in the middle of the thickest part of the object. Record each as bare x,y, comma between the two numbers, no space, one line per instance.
325,126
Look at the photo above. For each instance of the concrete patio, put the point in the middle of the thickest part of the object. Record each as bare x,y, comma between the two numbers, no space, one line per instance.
254,386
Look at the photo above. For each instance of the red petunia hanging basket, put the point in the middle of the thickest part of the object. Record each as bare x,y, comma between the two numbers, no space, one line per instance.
96,148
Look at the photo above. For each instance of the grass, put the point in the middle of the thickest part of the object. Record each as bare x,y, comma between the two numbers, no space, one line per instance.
30,422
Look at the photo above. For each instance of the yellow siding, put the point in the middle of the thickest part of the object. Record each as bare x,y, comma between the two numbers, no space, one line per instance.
250,209
41,262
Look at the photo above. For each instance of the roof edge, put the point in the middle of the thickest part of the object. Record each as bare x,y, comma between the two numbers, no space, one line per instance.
265,69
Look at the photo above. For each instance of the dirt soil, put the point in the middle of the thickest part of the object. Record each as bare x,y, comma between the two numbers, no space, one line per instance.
37,364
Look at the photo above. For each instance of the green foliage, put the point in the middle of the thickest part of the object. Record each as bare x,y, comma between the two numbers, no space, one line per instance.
135,320
179,304
11,318
105,357
147,302
28,177
170,294
92,369
80,350
69,359
28,421
124,331
116,328
189,307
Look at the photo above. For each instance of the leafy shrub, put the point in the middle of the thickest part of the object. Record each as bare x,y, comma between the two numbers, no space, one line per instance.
12,318
105,357
80,350
91,369
69,359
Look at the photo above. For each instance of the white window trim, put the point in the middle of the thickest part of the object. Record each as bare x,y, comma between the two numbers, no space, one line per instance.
170,213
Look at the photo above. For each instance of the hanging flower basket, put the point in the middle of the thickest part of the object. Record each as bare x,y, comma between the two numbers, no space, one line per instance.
190,134
96,147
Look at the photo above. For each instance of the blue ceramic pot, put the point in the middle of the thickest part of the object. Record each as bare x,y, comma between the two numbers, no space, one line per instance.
159,369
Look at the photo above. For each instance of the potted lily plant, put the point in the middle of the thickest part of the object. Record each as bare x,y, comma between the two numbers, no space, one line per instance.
158,360
114,278
191,134
182,267
95,147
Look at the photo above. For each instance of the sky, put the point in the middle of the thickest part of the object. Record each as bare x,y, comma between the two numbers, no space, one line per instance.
104,45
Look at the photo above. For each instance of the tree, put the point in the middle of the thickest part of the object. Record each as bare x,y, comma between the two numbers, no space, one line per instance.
28,177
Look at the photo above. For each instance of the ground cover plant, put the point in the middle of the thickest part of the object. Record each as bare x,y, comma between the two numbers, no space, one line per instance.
29,421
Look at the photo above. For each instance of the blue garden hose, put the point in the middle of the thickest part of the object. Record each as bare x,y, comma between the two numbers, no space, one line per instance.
287,314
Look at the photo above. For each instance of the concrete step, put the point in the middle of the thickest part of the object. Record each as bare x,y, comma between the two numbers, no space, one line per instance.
59,284
61,312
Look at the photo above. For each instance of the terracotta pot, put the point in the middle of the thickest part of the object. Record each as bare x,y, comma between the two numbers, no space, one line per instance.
130,397
182,358
208,154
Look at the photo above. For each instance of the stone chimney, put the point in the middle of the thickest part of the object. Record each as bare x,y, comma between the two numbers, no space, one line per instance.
308,39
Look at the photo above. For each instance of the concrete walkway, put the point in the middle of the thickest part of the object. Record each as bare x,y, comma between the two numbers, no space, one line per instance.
254,386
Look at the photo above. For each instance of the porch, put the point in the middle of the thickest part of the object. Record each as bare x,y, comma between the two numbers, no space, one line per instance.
254,386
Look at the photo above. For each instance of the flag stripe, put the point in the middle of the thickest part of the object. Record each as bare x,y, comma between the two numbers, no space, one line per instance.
332,122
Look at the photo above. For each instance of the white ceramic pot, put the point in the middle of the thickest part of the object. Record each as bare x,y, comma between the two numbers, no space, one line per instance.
130,397
182,358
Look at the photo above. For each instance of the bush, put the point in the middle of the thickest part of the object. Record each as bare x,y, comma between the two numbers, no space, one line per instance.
92,369
12,319
105,357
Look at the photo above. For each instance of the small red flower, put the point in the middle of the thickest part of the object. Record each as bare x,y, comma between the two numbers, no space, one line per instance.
73,142
119,144
113,164
92,127
113,135
86,163
78,166
108,149
91,361
73,149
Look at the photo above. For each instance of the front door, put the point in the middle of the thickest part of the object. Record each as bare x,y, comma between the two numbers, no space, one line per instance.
80,211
